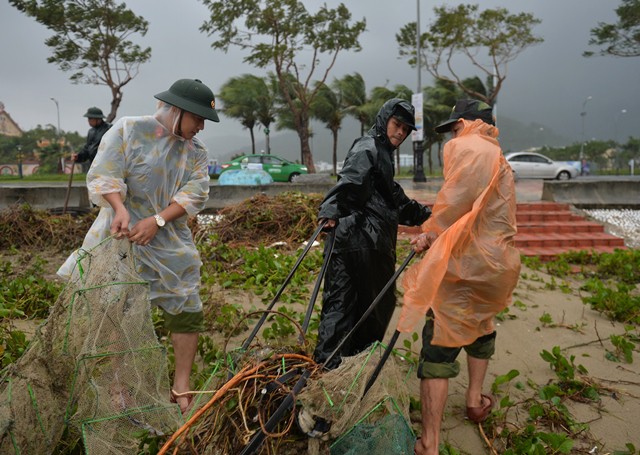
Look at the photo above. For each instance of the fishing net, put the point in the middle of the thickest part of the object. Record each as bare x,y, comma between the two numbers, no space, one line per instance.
334,408
94,368
389,434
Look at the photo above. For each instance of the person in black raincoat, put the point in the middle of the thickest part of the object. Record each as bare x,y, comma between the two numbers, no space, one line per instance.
363,211
98,128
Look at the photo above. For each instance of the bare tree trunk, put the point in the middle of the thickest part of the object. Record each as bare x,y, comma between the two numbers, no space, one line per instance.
305,150
253,141
116,99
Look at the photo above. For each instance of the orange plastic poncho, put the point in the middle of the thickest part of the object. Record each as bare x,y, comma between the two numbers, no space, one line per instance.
470,271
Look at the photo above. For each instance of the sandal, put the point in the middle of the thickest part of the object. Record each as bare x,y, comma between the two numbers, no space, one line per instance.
175,396
479,414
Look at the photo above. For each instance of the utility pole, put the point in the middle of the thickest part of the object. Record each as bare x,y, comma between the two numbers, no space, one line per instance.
418,136
58,112
583,114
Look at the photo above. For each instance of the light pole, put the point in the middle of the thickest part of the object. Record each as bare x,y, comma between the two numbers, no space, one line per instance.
539,135
583,114
418,151
615,125
615,138
58,112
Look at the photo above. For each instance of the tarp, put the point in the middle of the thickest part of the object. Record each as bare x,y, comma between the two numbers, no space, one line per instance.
251,177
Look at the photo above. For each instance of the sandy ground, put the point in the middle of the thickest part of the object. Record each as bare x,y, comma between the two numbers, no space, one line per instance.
578,331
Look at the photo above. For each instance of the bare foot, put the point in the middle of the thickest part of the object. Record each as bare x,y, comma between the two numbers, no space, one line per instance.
421,447
183,400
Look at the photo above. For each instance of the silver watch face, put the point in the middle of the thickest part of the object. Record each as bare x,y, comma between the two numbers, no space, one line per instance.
159,220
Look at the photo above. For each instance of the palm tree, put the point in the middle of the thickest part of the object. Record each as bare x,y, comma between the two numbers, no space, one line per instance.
440,99
239,98
285,115
326,107
266,109
354,98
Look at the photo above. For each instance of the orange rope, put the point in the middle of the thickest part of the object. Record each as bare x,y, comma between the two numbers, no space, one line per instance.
242,375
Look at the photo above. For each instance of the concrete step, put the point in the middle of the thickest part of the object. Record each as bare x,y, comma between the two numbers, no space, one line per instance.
542,227
546,206
547,229
547,215
585,240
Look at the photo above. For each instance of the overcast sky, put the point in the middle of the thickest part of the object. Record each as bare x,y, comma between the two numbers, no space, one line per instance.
547,84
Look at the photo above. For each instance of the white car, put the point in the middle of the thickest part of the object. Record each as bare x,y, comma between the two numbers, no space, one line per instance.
531,165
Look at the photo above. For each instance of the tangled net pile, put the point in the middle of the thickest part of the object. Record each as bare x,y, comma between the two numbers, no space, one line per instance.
372,423
94,367
375,423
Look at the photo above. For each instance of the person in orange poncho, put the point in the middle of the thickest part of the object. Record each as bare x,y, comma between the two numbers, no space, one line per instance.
469,270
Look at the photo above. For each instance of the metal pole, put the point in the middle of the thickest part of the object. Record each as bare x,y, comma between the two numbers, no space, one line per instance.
615,125
615,138
418,46
58,112
418,151
583,114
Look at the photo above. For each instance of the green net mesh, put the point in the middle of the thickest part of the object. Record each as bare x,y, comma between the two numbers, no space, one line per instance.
95,366
389,434
372,424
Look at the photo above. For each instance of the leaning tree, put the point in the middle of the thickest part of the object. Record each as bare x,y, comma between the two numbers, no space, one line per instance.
621,39
92,39
488,39
284,36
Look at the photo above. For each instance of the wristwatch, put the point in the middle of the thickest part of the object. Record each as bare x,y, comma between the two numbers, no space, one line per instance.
159,220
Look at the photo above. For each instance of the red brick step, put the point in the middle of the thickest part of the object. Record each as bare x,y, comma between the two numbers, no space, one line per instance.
547,229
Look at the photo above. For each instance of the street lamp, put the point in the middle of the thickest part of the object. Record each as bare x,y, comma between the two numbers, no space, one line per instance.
615,125
58,112
583,114
615,138
418,151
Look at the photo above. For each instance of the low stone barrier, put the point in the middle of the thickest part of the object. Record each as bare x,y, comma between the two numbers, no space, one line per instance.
49,196
595,192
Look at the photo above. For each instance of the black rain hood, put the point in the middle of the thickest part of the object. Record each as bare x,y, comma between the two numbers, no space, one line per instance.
403,109
367,203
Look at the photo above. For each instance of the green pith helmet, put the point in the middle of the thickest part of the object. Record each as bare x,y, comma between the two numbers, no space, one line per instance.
192,96
94,112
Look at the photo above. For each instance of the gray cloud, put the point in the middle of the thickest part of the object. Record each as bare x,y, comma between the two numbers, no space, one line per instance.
546,85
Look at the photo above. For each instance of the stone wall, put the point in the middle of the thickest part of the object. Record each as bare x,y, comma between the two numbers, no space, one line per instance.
595,192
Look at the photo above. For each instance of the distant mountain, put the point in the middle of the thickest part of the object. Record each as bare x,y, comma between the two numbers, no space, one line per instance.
514,136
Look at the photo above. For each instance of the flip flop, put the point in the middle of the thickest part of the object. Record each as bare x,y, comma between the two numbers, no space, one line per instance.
479,414
175,396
